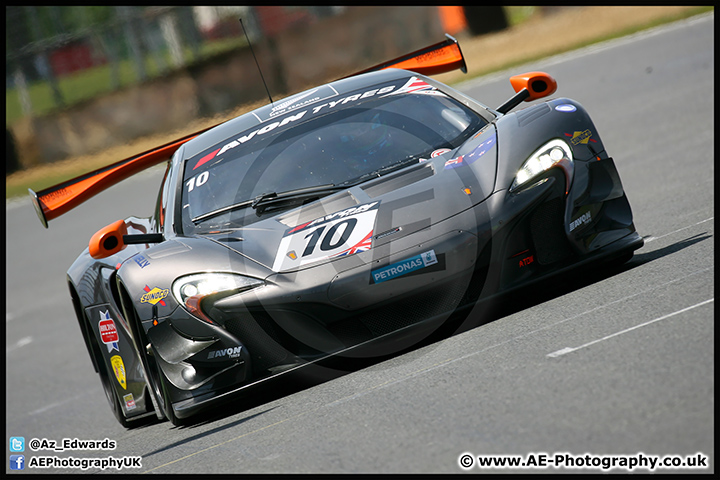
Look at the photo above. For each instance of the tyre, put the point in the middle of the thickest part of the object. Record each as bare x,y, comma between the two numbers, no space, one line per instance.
157,382
110,393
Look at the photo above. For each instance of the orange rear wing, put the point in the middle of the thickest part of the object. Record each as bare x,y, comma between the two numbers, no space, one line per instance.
441,57
57,200
54,201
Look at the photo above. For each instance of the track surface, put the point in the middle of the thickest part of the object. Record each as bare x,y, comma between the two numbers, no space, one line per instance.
619,363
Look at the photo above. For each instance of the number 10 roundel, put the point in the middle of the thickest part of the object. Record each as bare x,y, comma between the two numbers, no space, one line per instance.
341,233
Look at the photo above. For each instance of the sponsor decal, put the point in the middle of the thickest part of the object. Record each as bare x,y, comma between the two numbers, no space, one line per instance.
57,194
108,332
338,234
526,261
303,100
129,401
480,150
154,296
565,107
454,162
141,261
206,158
231,352
438,152
581,220
404,267
473,156
416,85
119,369
292,117
583,137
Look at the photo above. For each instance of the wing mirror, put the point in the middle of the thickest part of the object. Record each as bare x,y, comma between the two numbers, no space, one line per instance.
113,238
529,86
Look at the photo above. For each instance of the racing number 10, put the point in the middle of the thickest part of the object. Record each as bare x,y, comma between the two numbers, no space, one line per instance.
197,181
327,243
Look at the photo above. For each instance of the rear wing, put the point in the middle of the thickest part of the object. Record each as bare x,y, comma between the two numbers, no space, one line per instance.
441,57
57,200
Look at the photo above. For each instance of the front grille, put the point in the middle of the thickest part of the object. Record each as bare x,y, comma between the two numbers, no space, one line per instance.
391,317
261,337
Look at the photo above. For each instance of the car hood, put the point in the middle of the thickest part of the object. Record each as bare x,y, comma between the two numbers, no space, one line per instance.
373,213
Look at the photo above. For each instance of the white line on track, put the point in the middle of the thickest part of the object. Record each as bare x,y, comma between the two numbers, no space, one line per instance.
54,405
19,344
519,337
651,238
566,350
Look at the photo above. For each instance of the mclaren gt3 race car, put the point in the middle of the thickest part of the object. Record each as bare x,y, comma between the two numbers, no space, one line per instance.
337,221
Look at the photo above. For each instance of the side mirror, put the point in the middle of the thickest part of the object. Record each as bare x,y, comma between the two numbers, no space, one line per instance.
538,84
108,240
111,239
529,86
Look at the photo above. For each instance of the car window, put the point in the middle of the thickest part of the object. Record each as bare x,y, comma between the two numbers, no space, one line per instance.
322,146
161,204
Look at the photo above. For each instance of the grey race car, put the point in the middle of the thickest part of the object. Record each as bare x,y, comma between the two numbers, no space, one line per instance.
346,221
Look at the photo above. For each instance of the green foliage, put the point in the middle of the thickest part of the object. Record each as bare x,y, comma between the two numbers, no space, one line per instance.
516,15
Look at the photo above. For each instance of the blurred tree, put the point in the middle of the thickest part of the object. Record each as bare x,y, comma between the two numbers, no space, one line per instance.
12,163
42,57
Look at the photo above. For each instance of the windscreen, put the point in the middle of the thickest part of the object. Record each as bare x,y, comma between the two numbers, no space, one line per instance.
339,142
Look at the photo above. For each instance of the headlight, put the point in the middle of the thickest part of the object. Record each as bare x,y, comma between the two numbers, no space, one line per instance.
191,290
554,153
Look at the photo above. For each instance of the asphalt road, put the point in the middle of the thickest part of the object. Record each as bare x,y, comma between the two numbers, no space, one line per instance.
618,363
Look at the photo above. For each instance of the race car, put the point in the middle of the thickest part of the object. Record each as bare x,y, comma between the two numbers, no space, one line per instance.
346,221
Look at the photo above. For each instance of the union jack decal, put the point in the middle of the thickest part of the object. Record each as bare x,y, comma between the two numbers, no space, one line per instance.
452,163
362,246
415,85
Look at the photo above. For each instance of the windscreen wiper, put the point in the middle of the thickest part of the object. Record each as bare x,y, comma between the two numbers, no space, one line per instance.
262,201
389,168
292,197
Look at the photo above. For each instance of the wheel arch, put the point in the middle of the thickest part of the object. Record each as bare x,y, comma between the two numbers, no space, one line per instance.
83,323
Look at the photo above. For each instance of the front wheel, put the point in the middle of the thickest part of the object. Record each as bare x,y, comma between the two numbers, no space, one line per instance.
159,386
112,395
156,380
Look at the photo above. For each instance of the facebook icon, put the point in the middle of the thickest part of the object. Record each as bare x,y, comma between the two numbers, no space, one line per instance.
17,462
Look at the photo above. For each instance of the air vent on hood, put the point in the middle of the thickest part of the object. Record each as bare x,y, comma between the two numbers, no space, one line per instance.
394,182
531,114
